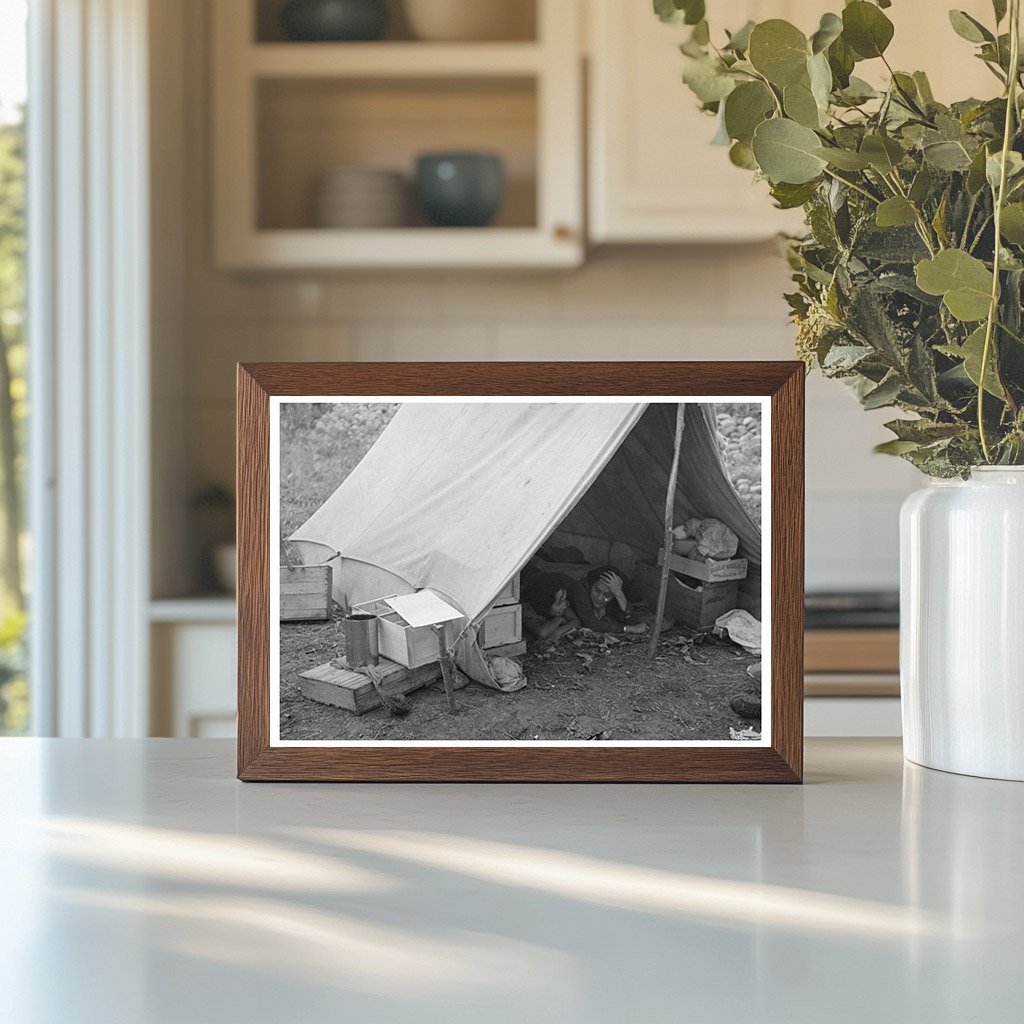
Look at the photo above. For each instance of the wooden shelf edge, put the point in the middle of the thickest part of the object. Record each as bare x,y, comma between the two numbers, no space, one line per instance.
407,248
392,60
852,650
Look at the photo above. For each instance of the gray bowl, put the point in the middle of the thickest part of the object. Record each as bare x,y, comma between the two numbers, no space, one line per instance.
461,190
334,20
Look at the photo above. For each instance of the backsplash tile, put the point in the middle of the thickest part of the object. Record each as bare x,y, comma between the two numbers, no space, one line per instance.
718,302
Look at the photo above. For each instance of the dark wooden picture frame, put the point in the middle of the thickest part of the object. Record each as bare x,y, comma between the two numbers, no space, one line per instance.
781,761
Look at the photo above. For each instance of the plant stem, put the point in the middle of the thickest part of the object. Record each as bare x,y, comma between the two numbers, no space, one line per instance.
993,309
922,225
855,187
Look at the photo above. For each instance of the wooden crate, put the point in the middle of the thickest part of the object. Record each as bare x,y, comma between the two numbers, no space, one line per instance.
345,688
501,626
516,650
306,593
509,593
685,605
709,570
406,645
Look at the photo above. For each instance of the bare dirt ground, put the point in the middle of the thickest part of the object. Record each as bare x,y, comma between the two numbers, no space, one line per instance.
587,686
582,688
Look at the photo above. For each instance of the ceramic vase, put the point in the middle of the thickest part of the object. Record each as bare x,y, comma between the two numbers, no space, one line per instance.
962,624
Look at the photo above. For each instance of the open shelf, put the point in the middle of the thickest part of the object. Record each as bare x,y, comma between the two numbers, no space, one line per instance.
519,18
306,128
287,113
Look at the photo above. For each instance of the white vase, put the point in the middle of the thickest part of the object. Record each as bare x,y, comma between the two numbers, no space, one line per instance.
962,624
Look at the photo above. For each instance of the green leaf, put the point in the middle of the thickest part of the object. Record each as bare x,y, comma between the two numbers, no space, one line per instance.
976,174
829,30
969,28
906,87
789,197
923,431
1012,224
739,41
939,220
885,394
785,152
924,87
971,352
844,159
708,80
721,136
999,7
895,447
841,60
858,91
778,50
676,12
701,33
745,108
921,185
963,281
866,29
820,77
896,212
800,105
741,155
994,168
883,153
947,156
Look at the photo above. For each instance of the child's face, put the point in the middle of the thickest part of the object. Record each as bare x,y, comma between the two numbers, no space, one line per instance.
560,604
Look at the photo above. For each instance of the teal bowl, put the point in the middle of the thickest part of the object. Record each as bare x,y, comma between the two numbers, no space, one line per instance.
334,21
460,190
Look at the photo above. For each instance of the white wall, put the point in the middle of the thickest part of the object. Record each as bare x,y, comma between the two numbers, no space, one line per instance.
664,303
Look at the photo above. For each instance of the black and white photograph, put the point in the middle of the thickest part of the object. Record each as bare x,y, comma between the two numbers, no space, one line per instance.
505,571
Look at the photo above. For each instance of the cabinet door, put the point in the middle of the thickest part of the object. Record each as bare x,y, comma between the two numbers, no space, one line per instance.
654,175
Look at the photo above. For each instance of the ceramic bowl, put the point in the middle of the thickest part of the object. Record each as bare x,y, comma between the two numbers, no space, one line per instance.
334,20
460,189
357,197
469,20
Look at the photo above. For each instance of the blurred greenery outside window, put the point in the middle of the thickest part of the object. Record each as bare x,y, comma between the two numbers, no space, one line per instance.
14,694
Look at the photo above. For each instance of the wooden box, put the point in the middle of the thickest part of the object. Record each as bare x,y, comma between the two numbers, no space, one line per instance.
503,625
397,640
345,688
509,593
709,570
686,605
306,593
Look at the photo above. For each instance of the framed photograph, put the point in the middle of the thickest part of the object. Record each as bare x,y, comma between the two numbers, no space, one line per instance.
520,572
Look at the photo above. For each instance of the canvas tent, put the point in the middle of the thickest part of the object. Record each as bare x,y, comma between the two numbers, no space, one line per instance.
457,496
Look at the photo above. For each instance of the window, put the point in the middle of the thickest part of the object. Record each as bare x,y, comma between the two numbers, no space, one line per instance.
14,548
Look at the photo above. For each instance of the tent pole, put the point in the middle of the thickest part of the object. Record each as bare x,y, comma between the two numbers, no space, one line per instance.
447,667
670,508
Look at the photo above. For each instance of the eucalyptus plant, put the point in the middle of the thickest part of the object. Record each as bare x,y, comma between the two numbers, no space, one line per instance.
910,278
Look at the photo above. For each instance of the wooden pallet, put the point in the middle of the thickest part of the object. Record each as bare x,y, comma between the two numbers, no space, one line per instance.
344,688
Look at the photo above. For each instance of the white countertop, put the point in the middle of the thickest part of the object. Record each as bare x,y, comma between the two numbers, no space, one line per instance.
143,885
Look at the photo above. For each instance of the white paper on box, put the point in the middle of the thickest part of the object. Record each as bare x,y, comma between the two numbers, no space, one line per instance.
423,609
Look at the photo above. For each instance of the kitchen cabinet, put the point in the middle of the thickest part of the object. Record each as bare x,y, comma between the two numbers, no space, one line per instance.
192,653
286,113
653,175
